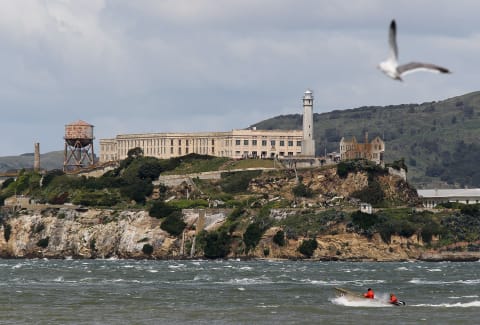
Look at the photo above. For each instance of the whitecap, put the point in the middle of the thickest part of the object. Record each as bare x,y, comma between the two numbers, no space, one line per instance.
241,289
475,303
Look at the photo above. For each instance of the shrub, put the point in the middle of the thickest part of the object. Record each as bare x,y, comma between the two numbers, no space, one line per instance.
302,190
43,242
364,221
252,235
7,230
161,209
215,244
343,168
279,238
470,209
147,249
307,247
173,224
237,182
372,194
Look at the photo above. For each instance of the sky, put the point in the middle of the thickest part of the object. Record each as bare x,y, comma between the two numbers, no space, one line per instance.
208,65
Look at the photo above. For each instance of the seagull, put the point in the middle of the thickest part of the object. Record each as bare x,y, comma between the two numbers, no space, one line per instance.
390,66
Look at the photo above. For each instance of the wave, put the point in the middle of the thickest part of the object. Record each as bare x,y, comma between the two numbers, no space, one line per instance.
250,281
420,281
462,297
475,303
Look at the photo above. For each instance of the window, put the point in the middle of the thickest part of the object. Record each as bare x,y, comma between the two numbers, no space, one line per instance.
290,143
272,143
179,142
254,142
245,142
237,142
264,143
299,143
282,143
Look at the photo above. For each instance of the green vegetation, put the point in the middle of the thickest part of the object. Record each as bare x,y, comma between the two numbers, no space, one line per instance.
237,182
7,230
173,223
43,242
279,238
252,235
147,249
160,209
309,223
215,244
301,190
307,247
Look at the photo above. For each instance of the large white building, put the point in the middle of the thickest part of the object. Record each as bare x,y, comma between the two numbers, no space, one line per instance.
432,197
248,143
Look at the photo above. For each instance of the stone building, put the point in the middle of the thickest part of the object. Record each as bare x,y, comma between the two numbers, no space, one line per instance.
352,149
246,143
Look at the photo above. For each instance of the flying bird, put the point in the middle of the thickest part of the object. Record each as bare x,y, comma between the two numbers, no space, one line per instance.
390,66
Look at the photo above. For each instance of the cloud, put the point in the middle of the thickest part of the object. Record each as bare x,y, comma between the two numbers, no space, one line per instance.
156,66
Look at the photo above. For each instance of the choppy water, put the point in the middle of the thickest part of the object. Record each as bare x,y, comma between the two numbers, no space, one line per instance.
233,292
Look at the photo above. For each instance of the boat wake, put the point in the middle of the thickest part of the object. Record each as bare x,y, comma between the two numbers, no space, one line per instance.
346,301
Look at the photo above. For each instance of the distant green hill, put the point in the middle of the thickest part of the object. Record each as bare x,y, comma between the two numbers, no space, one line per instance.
439,140
50,160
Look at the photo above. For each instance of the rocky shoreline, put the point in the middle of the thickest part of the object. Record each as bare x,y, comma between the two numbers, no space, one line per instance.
111,234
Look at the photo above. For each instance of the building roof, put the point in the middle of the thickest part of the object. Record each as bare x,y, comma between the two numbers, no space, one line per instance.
444,193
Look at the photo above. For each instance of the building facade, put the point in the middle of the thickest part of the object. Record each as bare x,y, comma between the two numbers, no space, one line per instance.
432,197
352,149
237,144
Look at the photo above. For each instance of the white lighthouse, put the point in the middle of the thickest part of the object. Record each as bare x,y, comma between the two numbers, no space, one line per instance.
308,144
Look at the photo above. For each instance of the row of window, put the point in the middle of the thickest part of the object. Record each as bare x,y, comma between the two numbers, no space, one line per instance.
272,143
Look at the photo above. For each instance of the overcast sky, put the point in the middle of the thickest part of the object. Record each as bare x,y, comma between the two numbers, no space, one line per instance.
215,65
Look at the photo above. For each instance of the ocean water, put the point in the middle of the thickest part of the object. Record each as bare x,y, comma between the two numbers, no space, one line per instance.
234,292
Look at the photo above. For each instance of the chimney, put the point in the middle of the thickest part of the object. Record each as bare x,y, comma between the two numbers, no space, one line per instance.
36,159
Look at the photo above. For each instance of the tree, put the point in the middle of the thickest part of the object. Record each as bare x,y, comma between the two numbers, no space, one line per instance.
161,209
279,238
307,247
252,235
173,224
215,244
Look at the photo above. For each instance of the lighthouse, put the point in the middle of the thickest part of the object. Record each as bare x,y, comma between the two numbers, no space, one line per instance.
308,144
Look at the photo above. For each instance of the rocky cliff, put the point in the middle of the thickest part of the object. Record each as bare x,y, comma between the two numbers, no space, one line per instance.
105,233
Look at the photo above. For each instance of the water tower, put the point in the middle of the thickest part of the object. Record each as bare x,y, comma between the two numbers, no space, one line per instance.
78,146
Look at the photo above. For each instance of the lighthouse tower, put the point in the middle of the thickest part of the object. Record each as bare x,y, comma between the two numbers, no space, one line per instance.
308,144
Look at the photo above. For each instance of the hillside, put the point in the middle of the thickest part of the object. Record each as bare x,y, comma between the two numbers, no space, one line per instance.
48,161
439,140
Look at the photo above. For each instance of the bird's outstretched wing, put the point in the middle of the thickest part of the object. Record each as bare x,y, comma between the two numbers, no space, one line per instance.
420,66
392,42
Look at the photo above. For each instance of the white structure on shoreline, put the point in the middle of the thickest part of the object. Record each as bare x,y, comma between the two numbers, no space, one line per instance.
237,144
432,197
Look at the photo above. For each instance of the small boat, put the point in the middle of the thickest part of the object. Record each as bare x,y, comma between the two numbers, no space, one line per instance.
356,296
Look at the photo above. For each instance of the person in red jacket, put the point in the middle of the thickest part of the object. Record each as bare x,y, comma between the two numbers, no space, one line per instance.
369,294
393,299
